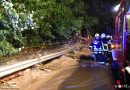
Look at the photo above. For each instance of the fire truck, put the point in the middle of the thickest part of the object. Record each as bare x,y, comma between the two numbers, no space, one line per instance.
121,42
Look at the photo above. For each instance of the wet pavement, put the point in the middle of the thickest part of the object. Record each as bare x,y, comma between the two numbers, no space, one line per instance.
88,75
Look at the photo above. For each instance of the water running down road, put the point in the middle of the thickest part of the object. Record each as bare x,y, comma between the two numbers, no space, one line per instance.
88,75
73,71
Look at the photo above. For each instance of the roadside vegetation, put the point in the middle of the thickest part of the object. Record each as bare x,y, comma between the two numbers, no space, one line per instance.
32,22
37,22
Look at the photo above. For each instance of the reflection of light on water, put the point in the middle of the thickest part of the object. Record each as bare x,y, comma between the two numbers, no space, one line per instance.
91,82
89,64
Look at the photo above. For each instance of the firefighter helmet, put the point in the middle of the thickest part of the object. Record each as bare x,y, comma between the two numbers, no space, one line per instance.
97,35
108,36
103,35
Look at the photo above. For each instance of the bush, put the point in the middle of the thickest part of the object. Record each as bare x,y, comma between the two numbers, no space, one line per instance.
7,49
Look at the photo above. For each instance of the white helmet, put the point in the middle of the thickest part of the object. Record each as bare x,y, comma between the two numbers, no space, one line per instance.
108,36
97,35
103,35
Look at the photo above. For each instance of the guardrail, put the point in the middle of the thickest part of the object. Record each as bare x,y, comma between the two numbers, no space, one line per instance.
4,71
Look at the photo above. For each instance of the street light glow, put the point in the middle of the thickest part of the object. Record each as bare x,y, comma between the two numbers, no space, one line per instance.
116,7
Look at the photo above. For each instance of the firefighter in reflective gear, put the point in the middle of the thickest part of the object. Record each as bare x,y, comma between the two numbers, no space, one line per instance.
104,48
109,42
96,47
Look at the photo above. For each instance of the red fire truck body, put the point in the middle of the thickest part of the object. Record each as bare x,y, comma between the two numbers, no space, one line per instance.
121,40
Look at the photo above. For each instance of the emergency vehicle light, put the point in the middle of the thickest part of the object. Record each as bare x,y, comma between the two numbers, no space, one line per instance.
115,46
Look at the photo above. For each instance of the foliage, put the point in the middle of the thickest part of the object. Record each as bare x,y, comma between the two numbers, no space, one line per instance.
31,22
8,31
56,17
6,48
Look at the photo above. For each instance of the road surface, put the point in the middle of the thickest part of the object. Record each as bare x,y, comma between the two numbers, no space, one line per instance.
87,75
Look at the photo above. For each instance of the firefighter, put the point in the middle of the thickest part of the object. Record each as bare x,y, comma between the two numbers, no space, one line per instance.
96,47
109,42
104,49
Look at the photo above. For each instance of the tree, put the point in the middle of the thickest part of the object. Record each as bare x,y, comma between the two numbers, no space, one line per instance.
32,22
56,17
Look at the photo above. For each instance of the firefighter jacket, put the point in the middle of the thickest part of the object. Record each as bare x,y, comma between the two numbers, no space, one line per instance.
109,42
96,46
104,44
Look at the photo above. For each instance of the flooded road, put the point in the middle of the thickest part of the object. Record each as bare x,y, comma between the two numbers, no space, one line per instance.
73,71
88,75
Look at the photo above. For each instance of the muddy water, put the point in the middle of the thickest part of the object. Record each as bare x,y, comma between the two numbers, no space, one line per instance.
88,75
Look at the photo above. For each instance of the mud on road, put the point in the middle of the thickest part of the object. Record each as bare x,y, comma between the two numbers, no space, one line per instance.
73,71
